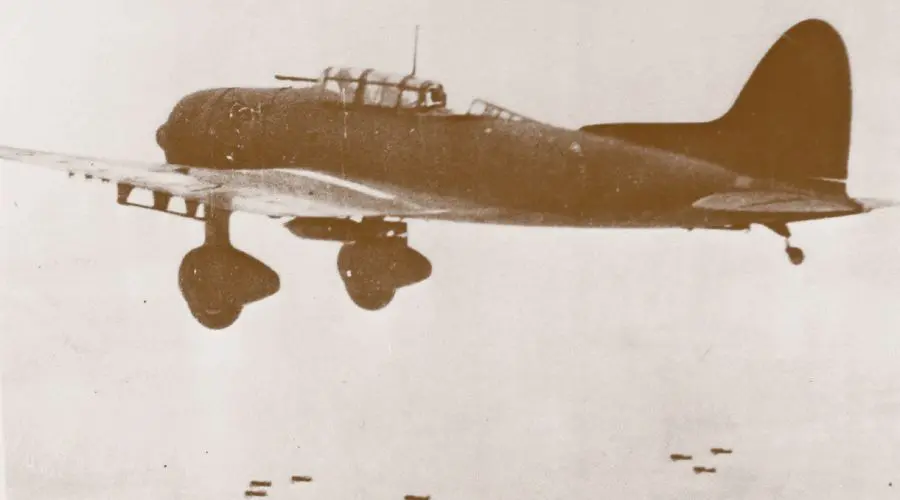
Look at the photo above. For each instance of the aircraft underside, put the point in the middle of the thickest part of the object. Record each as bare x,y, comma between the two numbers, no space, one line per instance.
374,261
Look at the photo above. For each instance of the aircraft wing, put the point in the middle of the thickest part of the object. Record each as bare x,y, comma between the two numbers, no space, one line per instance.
281,192
774,203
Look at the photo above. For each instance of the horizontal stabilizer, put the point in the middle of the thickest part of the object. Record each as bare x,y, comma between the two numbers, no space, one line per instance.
870,204
774,202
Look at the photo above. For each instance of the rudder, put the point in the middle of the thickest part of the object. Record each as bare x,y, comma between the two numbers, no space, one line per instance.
790,122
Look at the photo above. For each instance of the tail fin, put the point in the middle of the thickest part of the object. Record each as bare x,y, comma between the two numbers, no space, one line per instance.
790,122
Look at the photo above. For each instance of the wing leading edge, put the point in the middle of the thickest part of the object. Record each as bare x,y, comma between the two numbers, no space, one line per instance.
283,192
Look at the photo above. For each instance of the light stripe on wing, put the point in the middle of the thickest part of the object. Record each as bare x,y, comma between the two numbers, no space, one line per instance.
337,181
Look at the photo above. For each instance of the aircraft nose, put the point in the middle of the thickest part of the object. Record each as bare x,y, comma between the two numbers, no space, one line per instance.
161,136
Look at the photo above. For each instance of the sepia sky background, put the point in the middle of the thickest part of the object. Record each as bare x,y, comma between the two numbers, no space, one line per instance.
535,363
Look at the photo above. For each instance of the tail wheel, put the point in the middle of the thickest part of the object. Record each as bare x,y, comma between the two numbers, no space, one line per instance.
795,255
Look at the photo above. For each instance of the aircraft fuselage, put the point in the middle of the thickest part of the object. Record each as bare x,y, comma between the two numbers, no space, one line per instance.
579,178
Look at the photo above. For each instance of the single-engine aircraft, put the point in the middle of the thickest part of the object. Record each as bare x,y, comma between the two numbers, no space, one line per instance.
353,154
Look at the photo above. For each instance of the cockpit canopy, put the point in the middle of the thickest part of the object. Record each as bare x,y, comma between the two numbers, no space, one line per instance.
368,87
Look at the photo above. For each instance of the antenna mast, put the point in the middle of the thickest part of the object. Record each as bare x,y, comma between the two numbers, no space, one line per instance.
415,51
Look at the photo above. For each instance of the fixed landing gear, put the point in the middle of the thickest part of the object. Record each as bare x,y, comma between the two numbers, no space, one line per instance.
373,270
375,259
200,279
795,254
218,280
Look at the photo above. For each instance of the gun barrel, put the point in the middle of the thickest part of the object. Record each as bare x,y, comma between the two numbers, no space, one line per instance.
296,78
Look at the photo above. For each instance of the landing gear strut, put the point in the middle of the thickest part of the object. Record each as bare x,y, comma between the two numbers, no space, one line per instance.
795,254
218,280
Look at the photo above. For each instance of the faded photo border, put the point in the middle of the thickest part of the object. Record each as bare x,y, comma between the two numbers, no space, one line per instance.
532,363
